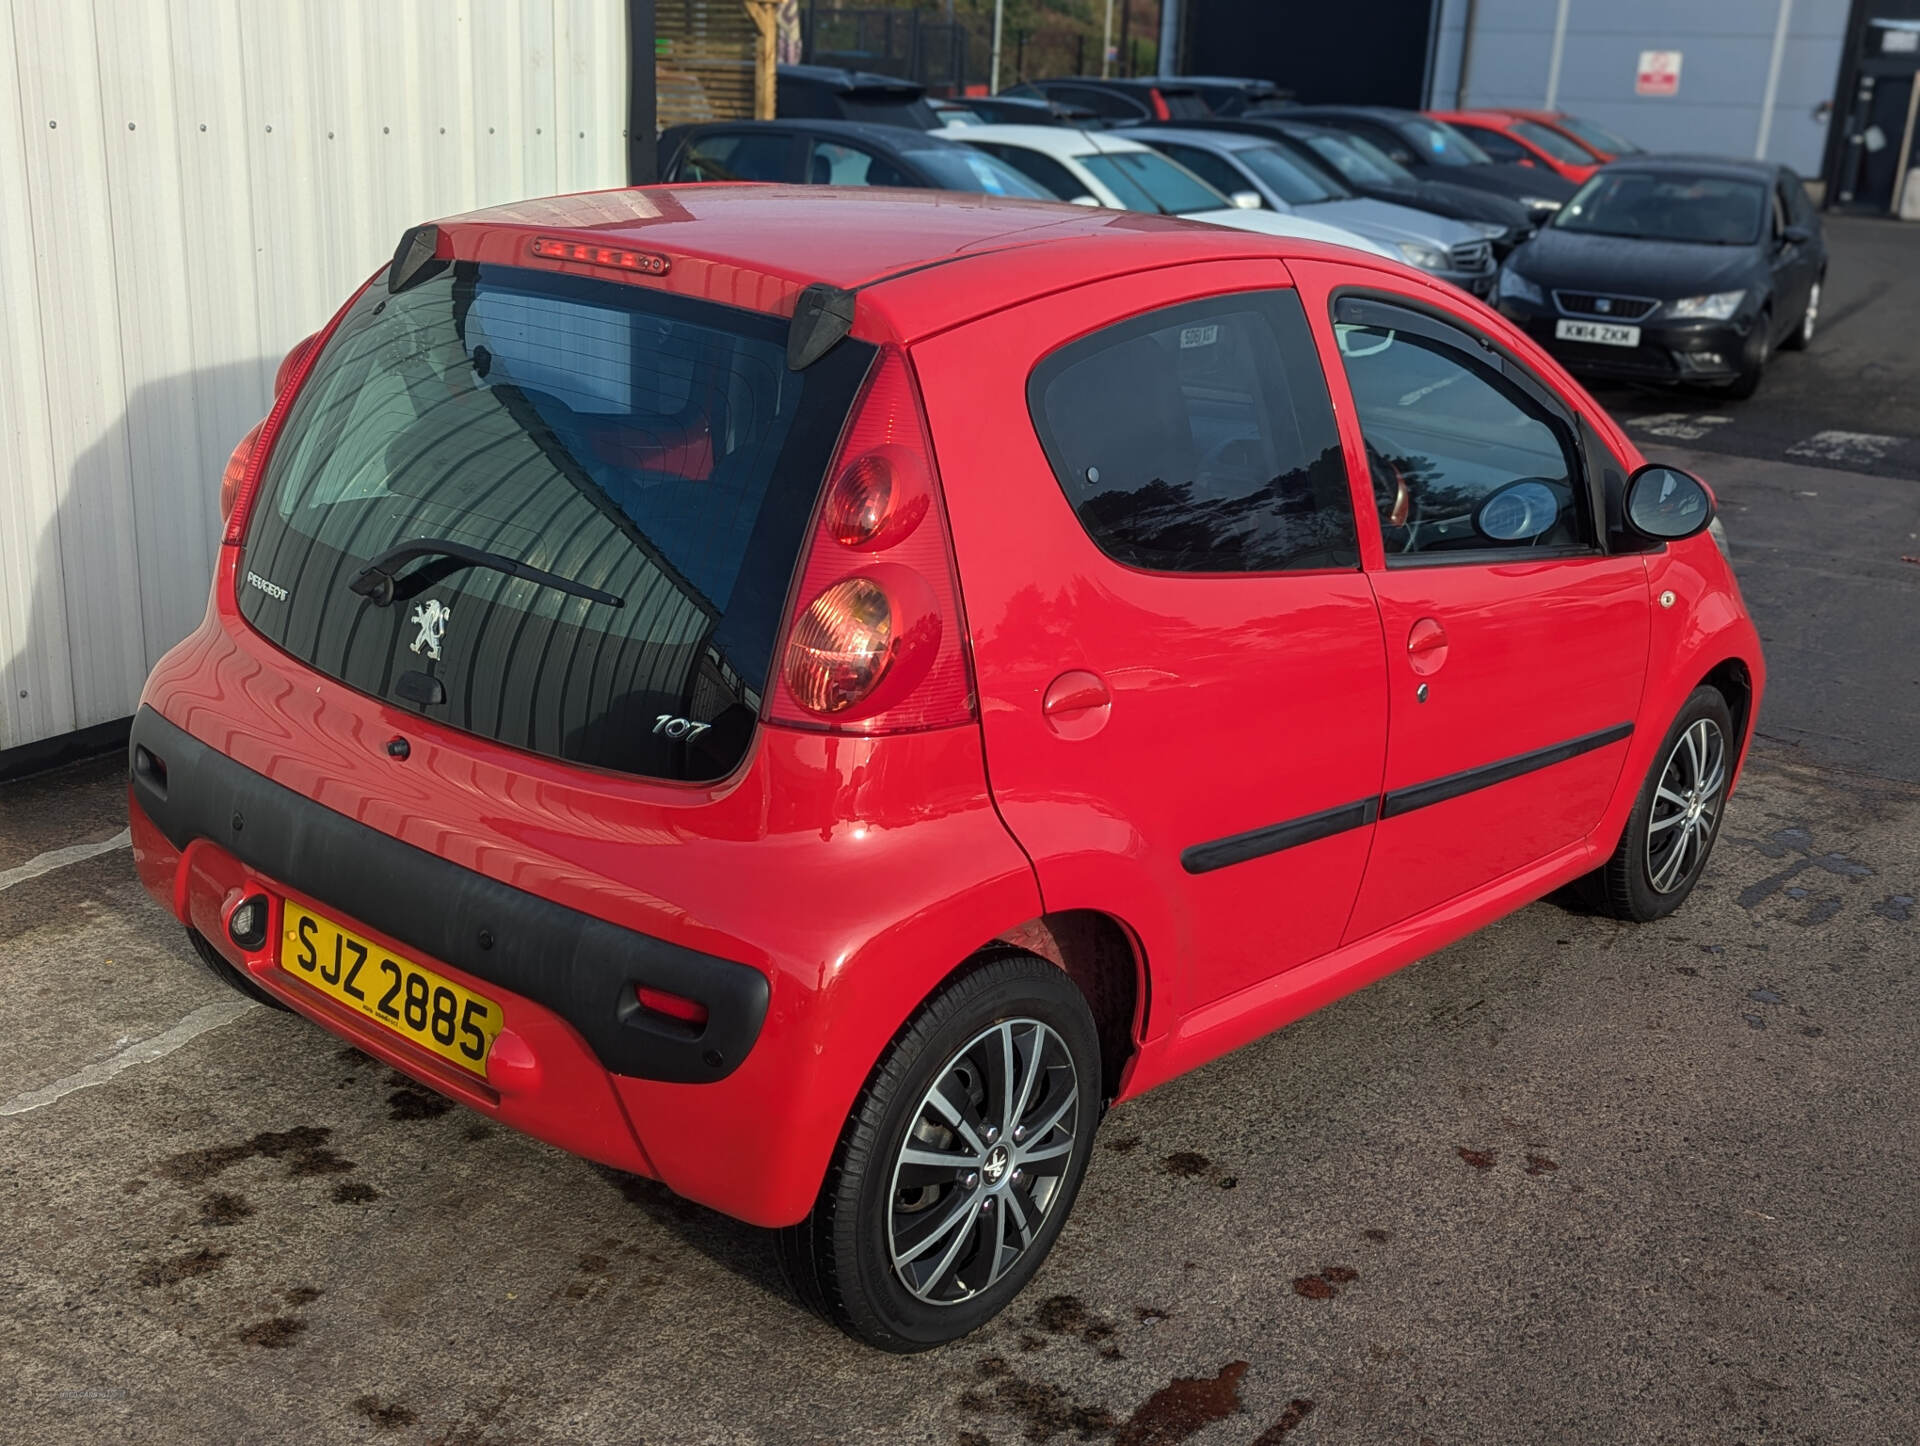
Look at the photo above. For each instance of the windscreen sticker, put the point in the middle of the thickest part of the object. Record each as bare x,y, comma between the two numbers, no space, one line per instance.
1193,336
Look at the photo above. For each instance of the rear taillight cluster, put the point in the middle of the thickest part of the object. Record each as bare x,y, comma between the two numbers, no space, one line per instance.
877,643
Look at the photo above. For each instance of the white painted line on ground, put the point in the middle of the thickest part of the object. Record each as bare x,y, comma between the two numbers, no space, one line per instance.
1845,447
53,859
207,1016
1682,426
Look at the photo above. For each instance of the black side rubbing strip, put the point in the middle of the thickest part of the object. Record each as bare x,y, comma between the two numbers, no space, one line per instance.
1237,849
1439,790
584,968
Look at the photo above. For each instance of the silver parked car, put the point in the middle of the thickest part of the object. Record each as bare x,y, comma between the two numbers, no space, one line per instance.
1238,164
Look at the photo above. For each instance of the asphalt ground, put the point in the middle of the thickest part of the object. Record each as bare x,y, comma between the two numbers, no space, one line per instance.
1568,1180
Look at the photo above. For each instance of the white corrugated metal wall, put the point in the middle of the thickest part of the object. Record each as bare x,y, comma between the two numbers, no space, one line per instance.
187,188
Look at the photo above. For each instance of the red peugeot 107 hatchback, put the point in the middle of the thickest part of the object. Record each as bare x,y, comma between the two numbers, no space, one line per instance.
811,696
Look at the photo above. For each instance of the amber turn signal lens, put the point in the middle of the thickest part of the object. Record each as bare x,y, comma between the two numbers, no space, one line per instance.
858,506
841,648
237,469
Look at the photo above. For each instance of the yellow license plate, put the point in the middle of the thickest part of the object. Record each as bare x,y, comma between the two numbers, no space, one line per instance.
412,1001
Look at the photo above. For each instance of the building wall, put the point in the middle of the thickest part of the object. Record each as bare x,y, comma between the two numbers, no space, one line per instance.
188,187
1727,48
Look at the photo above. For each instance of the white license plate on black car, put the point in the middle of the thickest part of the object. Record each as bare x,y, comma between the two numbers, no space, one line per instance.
1597,331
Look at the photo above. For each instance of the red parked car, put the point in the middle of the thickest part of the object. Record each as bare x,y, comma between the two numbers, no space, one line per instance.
812,695
1599,142
1522,141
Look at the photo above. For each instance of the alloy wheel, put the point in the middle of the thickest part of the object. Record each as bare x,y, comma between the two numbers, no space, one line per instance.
1686,803
984,1160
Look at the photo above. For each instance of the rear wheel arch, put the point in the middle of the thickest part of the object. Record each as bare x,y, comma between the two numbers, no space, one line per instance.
1106,963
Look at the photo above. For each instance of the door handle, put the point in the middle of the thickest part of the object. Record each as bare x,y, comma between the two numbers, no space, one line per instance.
1426,646
1076,704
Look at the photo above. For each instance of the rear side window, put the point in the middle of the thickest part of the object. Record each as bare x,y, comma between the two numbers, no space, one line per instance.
1501,148
650,455
1044,171
1215,169
1199,438
736,156
836,165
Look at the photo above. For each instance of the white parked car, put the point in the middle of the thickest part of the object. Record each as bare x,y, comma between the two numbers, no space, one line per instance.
1099,168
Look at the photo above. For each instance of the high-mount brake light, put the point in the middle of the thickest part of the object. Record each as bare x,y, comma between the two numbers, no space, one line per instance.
622,258
877,642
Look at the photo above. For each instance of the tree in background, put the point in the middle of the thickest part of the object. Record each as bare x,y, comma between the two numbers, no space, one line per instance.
1042,38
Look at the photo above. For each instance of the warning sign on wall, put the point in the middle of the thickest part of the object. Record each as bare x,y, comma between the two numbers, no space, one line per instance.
1659,73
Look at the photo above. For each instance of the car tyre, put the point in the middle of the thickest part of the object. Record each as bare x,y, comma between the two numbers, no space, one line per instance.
1802,335
955,1174
1676,818
1754,364
227,974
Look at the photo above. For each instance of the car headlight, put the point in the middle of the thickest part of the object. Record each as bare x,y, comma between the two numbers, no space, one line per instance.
1717,307
1515,287
1492,230
1431,258
1539,203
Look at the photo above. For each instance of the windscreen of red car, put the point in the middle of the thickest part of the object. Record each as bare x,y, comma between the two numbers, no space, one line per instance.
650,456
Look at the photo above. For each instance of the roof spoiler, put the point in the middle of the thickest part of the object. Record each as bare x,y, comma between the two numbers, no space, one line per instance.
822,317
414,259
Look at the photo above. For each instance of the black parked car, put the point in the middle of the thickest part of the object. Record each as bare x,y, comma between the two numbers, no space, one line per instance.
825,92
1230,95
1359,166
1121,102
834,153
1673,268
1435,151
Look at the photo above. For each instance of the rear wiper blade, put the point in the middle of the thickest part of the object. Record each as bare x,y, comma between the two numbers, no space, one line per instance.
378,583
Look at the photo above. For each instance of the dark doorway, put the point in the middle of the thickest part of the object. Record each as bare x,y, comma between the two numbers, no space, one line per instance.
1320,53
1875,134
1872,144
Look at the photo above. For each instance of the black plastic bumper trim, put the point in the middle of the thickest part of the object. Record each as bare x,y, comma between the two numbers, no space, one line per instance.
583,968
1439,790
1240,847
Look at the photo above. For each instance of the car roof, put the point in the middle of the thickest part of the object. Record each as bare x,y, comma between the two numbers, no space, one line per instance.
1242,82
922,261
1698,165
1051,140
1388,113
897,138
1497,119
836,78
1219,140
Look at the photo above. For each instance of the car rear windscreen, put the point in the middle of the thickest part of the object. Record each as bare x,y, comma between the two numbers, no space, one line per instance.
556,512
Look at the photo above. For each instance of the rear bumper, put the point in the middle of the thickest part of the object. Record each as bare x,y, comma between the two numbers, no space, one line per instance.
584,970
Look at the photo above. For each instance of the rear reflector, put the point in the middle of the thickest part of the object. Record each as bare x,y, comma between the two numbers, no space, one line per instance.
622,258
690,1012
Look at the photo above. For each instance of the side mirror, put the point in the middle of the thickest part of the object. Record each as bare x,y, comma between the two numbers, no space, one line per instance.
1246,200
1666,504
290,363
1518,512
1797,235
